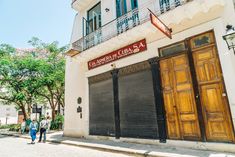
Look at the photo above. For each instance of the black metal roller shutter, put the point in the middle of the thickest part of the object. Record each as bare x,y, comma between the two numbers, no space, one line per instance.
101,105
137,108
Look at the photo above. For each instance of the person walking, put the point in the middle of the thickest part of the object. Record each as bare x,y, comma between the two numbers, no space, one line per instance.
49,123
33,127
23,126
43,129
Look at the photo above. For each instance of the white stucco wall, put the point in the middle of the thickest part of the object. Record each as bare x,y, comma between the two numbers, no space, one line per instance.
75,87
77,73
111,14
227,58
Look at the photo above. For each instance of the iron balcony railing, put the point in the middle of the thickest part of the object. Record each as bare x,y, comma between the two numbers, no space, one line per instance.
126,22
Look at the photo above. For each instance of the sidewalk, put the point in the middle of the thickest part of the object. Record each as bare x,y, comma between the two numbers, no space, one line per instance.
125,147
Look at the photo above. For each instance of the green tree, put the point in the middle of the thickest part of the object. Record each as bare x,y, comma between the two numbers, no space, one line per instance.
33,78
18,80
6,50
52,73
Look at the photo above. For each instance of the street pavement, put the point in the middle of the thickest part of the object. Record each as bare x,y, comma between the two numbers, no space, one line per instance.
13,144
20,147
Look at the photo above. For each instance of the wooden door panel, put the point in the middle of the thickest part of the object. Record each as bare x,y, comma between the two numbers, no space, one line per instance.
171,115
187,111
168,95
179,61
215,108
207,69
166,80
170,106
186,105
181,77
212,97
165,75
179,100
185,101
190,129
215,113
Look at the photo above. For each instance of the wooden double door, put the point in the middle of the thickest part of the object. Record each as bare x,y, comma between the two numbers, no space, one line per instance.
196,105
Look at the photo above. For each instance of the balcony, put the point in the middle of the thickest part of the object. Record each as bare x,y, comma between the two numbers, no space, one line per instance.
139,16
80,4
124,23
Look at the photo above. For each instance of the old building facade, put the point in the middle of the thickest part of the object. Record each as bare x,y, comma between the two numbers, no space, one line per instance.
127,79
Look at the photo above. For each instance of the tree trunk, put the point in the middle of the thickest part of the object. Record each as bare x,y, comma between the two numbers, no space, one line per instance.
62,102
53,114
24,112
58,107
29,109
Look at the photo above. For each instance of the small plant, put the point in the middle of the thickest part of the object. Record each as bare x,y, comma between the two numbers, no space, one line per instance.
57,123
14,127
7,126
11,127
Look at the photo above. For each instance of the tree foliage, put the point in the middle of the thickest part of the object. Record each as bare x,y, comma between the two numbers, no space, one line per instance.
29,79
52,73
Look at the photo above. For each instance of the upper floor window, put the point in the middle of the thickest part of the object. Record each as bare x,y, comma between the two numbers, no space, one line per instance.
94,18
134,4
121,7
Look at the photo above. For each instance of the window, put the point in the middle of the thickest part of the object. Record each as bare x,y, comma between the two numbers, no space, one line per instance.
134,4
94,18
121,7
172,49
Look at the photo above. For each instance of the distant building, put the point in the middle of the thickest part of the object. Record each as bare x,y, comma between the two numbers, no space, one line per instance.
8,114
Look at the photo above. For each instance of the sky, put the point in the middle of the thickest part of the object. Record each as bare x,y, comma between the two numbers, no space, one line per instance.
49,20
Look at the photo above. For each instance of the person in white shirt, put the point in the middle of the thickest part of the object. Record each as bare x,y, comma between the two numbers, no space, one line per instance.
43,128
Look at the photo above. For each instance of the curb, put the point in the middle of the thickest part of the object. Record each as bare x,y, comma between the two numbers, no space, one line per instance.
100,148
107,148
119,150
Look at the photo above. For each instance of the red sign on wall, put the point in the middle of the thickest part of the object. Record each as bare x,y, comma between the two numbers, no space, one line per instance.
160,25
118,54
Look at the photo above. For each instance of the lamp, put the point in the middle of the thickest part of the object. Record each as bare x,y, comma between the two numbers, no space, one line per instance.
230,37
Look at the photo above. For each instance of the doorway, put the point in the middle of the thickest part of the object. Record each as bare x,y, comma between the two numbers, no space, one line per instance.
183,111
213,96
178,95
